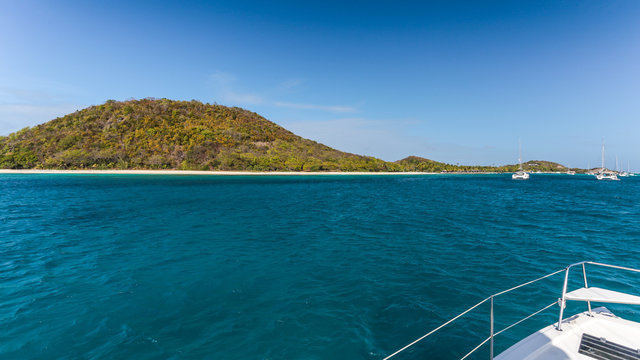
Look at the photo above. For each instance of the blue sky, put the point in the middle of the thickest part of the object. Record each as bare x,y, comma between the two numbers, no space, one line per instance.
454,81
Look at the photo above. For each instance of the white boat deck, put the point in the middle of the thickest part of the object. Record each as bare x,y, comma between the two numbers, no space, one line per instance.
594,334
551,344
596,294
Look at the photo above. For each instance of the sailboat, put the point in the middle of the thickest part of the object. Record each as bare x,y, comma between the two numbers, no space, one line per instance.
520,174
624,173
590,171
570,172
605,174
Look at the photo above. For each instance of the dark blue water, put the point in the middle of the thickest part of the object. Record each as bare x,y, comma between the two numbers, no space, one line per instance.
339,267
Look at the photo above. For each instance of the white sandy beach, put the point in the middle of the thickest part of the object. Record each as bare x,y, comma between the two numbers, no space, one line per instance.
195,172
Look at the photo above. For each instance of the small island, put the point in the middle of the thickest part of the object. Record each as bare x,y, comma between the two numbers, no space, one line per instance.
163,134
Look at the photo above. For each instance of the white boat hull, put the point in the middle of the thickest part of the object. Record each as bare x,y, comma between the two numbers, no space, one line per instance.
611,177
551,344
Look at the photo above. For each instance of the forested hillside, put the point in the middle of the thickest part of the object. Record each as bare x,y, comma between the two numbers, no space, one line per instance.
416,163
166,134
190,135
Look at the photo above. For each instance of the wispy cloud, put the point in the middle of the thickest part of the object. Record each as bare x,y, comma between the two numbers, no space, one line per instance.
289,84
241,98
228,90
379,138
20,107
388,139
330,108
14,117
225,84
221,78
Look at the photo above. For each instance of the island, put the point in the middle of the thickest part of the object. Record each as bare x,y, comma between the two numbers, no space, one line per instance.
164,134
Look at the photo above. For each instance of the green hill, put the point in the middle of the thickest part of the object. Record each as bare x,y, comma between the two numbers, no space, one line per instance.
190,135
166,134
543,166
416,163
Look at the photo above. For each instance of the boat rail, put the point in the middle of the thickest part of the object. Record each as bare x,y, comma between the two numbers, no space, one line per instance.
492,333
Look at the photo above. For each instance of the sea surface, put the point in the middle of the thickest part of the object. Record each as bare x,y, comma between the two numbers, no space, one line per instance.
297,267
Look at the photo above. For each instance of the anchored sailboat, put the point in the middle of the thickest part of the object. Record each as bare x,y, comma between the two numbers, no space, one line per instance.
605,174
624,173
520,174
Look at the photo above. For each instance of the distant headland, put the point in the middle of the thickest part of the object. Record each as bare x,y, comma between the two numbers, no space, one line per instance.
162,134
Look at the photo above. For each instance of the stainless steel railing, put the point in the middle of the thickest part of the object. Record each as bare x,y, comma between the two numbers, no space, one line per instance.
492,332
562,299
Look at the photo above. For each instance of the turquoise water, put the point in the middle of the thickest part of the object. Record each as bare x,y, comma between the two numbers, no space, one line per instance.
300,267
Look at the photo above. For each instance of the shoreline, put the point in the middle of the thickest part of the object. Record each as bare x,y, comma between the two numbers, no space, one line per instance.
201,172
234,173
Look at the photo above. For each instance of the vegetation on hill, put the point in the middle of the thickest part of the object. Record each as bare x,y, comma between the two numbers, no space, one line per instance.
166,134
543,166
416,163
190,135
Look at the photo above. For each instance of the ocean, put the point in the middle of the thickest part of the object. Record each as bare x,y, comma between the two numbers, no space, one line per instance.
296,267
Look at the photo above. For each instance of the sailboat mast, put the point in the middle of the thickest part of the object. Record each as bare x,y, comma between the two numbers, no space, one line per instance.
602,154
520,153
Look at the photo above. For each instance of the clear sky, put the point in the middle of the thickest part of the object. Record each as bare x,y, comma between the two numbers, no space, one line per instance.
454,81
